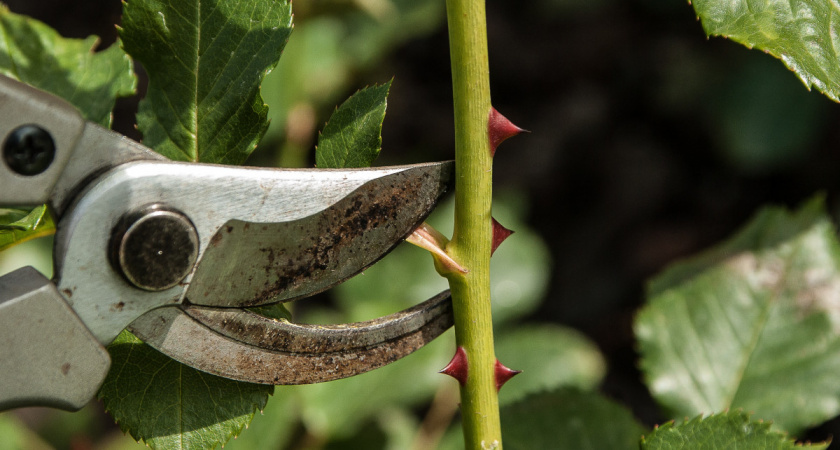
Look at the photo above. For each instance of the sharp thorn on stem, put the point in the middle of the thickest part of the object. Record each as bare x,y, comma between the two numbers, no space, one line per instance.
500,128
500,233
458,367
503,374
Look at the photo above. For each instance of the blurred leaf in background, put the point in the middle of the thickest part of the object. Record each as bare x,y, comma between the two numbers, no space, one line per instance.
733,429
751,324
762,120
333,43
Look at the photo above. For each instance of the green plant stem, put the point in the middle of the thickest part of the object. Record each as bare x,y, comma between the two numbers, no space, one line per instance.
472,238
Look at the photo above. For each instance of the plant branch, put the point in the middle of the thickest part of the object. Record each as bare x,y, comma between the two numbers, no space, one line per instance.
472,238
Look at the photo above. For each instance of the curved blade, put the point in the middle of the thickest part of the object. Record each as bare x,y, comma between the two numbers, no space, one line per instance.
240,345
249,264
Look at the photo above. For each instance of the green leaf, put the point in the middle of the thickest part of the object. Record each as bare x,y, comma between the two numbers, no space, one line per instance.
549,356
802,34
338,409
752,324
569,420
17,226
14,435
721,432
274,428
35,54
276,311
353,136
169,405
205,60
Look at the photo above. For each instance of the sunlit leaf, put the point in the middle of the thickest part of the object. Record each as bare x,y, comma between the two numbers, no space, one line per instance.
803,34
35,54
752,324
721,432
353,136
205,60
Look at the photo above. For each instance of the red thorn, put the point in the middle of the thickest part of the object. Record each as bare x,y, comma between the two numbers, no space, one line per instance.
457,368
500,128
503,374
500,233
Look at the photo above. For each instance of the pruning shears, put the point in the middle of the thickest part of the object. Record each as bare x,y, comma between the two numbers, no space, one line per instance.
177,253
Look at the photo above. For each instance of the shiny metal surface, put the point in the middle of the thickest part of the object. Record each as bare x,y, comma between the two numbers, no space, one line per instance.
240,345
82,149
215,197
249,264
155,248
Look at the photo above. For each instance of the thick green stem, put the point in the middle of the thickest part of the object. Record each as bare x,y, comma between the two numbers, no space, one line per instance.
471,242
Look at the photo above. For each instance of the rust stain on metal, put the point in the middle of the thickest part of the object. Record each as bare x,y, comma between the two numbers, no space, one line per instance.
277,352
305,368
216,239
288,260
349,219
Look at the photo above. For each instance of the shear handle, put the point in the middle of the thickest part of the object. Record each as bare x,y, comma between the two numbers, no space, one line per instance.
47,356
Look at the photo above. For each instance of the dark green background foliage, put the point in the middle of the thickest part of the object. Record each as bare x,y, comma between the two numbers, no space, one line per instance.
650,144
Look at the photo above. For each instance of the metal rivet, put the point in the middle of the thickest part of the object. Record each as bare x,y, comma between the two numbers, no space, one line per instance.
29,150
156,248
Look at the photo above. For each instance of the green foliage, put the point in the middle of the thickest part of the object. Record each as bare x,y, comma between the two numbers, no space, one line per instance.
720,432
353,136
15,436
567,419
34,53
751,324
18,226
802,34
205,60
169,405
331,44
549,356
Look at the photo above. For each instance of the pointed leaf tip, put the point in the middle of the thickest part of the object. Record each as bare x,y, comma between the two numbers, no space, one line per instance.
458,367
499,128
500,233
503,374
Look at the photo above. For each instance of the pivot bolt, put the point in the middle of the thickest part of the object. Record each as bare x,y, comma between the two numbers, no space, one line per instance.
29,150
155,249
